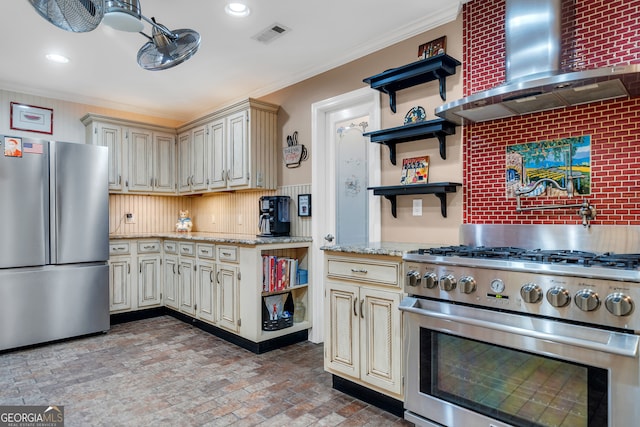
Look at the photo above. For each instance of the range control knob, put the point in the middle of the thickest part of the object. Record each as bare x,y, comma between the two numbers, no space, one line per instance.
447,282
558,296
530,292
619,304
587,300
467,284
430,280
413,278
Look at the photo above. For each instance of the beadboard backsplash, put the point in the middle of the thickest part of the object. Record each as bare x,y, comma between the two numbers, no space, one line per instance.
229,213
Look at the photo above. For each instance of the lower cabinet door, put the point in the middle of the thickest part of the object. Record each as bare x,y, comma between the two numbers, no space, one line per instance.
343,342
187,284
119,284
206,306
364,335
228,287
170,282
149,282
380,339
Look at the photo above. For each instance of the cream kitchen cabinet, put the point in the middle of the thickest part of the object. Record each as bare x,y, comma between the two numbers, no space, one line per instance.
252,295
142,157
218,286
152,162
187,278
149,261
230,149
228,288
170,275
192,149
363,323
206,283
120,276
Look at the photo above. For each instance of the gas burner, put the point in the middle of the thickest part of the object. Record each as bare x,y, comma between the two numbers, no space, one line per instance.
559,256
624,261
445,250
502,252
474,251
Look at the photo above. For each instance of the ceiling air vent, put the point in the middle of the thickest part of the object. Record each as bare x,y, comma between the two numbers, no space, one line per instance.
271,33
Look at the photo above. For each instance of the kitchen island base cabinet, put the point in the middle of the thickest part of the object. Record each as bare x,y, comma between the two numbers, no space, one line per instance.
364,325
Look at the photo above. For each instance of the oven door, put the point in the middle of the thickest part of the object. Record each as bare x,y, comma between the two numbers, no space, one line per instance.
474,367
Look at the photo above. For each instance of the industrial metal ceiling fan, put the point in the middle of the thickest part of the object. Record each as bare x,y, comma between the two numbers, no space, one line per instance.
165,48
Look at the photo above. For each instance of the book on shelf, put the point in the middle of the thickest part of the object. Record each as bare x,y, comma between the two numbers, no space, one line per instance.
415,170
278,273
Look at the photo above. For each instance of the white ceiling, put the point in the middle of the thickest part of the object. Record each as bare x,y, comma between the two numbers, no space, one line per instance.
229,64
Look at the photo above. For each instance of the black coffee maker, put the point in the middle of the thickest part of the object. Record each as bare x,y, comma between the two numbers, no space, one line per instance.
274,216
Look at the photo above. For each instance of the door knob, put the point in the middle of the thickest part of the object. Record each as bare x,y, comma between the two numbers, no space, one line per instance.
329,238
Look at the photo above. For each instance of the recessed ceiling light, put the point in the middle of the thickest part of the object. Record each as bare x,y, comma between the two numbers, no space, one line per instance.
237,9
54,57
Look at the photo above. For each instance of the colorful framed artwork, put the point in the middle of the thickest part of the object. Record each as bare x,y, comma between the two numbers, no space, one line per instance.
31,118
544,168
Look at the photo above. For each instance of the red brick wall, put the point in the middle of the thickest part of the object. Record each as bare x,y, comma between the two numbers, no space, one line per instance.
604,33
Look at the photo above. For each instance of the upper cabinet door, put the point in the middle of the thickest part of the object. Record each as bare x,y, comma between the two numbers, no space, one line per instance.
199,159
140,160
109,135
164,166
217,152
238,158
184,162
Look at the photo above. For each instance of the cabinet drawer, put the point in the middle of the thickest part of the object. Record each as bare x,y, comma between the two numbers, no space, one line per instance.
148,246
119,248
362,270
170,247
228,253
205,250
187,249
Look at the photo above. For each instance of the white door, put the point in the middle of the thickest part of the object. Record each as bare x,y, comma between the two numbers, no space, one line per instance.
326,118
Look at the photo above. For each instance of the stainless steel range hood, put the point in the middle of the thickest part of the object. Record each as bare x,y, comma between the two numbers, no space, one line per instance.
534,82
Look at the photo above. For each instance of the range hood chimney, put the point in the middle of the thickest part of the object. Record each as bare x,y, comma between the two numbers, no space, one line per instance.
533,80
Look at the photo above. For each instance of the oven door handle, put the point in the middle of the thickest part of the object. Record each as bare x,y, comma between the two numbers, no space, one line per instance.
617,343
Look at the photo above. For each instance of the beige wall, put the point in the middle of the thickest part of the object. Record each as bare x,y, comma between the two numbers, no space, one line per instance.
295,115
156,213
66,116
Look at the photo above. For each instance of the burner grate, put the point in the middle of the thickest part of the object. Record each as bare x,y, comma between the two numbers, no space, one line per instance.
569,257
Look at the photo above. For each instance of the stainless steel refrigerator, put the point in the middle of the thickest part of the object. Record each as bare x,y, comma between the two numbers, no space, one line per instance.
54,241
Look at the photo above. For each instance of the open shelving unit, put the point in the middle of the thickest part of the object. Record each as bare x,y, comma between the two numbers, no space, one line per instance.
438,189
437,67
438,128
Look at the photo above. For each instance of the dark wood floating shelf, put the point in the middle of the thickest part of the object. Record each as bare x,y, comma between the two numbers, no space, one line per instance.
438,67
438,189
438,128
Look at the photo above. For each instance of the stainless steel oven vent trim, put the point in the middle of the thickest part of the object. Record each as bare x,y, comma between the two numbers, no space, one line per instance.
600,340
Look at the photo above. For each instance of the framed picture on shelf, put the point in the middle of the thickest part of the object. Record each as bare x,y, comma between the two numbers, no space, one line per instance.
31,118
433,48
415,170
304,204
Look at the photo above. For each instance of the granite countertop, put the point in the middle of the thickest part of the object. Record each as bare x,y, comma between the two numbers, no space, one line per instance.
378,248
242,239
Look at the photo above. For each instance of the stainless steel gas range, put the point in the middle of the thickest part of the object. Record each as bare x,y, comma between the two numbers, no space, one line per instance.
524,326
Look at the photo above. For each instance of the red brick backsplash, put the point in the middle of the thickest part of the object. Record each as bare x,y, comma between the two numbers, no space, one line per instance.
596,34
